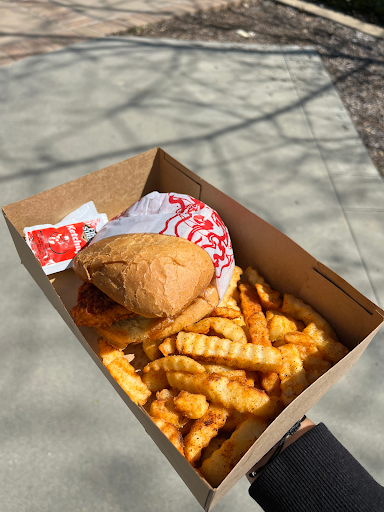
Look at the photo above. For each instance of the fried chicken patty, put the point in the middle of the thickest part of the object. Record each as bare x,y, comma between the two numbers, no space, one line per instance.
95,309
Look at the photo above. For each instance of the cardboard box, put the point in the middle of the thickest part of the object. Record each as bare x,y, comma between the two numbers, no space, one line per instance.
286,266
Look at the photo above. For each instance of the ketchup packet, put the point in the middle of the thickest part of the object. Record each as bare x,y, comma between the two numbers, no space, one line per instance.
55,246
182,216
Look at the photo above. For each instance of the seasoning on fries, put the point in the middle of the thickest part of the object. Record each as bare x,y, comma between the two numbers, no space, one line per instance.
221,381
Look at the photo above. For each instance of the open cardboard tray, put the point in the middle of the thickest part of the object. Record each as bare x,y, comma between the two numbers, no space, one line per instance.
285,265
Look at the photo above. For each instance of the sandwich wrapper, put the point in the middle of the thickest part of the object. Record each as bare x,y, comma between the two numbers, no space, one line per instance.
182,216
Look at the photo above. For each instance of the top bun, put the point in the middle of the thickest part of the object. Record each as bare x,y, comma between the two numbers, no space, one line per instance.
149,274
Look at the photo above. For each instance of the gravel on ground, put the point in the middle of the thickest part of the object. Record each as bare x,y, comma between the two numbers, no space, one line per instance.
355,61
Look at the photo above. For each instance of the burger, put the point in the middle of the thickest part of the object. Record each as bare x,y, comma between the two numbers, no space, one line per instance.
141,287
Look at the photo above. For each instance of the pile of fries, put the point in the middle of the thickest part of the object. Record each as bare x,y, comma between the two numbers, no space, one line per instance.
214,387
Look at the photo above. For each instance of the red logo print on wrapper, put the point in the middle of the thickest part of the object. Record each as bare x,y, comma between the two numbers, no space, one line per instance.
182,216
218,238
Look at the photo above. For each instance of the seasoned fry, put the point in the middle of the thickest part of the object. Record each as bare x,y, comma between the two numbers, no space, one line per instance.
306,352
168,346
232,304
175,363
330,349
226,313
203,431
214,445
234,419
223,460
270,382
151,349
232,286
254,277
292,374
224,370
108,353
124,374
299,338
250,302
223,326
155,380
230,393
279,325
301,311
171,432
269,298
221,351
315,367
258,330
165,409
191,405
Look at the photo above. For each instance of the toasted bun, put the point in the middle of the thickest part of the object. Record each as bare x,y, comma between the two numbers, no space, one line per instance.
149,274
139,329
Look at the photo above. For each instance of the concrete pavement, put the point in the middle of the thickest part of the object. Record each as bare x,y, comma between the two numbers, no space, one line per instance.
33,27
263,124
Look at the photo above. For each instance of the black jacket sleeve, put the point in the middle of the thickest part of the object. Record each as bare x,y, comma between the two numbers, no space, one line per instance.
317,474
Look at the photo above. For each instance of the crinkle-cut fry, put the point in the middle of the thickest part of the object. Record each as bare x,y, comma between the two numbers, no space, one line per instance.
151,349
234,419
108,353
201,327
227,371
193,406
168,346
254,277
270,382
165,409
237,271
292,374
306,352
232,304
215,350
270,299
299,338
230,393
330,349
155,380
203,430
315,367
258,330
301,311
175,363
223,460
280,324
171,432
124,374
249,301
226,313
214,445
223,326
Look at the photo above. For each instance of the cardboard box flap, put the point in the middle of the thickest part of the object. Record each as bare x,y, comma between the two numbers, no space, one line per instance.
129,179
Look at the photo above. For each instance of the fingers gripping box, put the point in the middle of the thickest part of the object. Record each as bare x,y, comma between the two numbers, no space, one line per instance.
286,266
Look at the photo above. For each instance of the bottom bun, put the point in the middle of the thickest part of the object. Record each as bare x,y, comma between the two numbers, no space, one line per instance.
139,329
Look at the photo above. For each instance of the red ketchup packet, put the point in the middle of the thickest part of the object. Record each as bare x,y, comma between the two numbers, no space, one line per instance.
55,246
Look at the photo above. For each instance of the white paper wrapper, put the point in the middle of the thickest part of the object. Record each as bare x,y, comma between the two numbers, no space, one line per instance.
183,216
